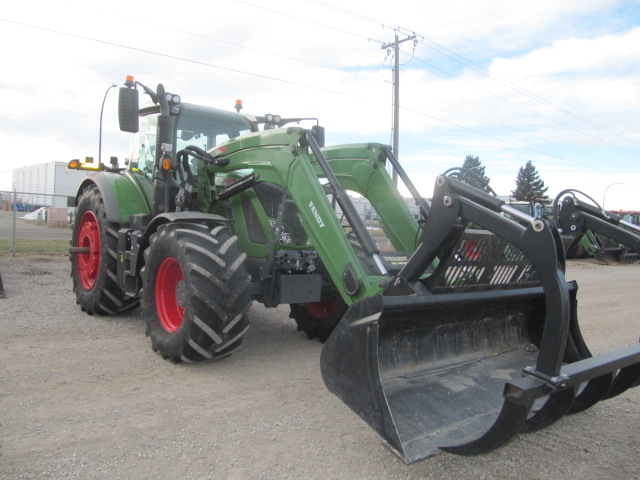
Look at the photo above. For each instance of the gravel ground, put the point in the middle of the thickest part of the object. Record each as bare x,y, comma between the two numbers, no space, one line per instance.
85,397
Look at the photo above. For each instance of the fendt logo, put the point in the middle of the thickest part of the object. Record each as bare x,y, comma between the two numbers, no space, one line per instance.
316,214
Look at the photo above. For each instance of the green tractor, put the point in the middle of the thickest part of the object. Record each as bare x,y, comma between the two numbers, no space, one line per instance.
443,344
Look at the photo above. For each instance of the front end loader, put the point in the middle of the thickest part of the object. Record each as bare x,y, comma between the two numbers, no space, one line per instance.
614,239
447,344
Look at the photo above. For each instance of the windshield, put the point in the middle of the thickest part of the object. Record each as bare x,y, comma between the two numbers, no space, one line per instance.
206,128
203,127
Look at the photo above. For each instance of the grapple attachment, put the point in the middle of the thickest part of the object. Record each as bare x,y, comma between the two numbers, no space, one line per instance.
618,240
614,255
485,347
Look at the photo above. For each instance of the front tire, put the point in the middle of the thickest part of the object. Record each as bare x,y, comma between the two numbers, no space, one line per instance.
195,292
94,273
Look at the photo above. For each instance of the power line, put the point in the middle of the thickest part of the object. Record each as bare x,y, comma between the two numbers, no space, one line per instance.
510,127
519,145
478,68
483,71
259,50
175,57
464,61
308,21
362,17
290,82
518,105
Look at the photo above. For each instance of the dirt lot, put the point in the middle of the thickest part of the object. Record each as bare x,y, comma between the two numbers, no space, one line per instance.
85,397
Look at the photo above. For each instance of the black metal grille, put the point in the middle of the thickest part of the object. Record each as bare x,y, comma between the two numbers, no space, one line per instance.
482,259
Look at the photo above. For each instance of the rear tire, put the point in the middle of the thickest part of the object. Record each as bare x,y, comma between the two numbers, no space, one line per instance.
94,273
195,292
318,319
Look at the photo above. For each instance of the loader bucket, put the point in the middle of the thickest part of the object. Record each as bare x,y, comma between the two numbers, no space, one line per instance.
445,372
616,256
609,256
429,372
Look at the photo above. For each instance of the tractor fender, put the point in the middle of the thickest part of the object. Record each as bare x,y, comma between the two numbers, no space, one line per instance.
164,218
188,217
191,217
121,194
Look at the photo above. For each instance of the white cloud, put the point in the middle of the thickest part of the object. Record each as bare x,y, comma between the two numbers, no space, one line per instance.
582,56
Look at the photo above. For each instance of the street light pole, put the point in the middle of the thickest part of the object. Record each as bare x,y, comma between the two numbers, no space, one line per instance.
101,112
605,191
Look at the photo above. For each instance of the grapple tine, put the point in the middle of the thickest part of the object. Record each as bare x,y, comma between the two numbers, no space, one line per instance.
511,419
556,406
519,397
592,393
626,378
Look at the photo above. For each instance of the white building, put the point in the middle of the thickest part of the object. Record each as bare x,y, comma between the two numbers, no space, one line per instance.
49,184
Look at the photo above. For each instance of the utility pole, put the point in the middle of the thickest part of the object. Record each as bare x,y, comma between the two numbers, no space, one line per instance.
396,94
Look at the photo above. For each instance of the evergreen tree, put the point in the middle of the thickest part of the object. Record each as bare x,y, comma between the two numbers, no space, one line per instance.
474,165
529,185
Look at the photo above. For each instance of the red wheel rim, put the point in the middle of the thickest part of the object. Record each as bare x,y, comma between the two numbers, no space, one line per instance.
88,264
170,294
472,250
322,310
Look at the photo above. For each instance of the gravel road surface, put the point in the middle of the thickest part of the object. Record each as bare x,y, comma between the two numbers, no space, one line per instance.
84,397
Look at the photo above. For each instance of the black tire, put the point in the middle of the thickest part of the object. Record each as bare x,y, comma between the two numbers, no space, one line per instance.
195,293
319,319
94,274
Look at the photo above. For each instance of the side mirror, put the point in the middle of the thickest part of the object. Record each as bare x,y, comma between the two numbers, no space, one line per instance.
128,106
318,134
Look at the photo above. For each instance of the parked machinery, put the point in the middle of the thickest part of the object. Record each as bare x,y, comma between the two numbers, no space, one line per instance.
607,236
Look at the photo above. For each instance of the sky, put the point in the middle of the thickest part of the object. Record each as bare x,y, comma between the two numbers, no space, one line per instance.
557,83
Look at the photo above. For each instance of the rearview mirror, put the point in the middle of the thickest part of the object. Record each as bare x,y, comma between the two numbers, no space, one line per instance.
318,134
128,106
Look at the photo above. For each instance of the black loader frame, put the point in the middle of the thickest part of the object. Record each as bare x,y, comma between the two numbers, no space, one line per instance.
576,217
413,361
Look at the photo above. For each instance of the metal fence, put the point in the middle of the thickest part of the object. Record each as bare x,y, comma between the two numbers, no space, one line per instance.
27,216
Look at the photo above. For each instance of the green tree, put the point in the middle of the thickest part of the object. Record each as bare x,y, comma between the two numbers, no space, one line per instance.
529,185
474,165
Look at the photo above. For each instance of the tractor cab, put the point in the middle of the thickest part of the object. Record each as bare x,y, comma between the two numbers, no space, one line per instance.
196,125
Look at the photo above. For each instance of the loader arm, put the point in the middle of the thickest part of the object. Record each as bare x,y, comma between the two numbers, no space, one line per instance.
361,168
576,218
281,156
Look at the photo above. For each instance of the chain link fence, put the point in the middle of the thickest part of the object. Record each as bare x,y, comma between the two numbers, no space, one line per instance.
32,222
